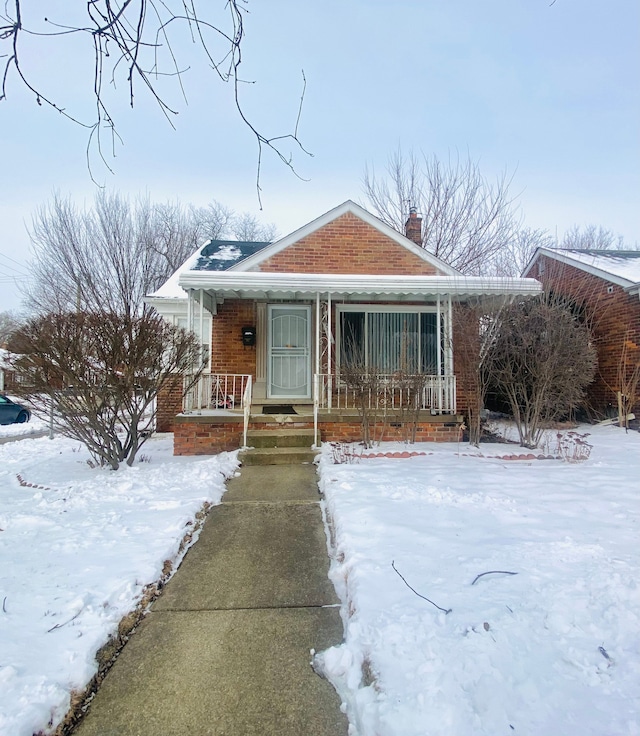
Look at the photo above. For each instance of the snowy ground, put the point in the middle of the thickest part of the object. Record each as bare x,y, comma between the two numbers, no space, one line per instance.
77,547
554,649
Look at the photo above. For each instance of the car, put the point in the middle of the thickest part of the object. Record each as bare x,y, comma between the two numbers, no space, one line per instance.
11,412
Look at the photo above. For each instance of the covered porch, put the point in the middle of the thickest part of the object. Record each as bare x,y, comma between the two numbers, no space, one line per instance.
297,338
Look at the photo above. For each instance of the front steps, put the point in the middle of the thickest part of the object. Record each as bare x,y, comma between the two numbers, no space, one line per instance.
278,447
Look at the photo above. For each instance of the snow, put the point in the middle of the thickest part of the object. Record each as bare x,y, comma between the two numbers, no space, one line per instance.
553,649
77,548
624,267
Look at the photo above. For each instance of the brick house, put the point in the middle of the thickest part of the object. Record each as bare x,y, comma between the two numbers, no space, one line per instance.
279,321
604,285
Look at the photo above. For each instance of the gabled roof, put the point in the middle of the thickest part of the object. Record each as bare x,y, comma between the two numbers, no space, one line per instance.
251,263
208,271
621,267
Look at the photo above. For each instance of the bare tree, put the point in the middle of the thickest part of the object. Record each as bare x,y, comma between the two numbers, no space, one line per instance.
592,237
514,256
100,373
541,360
467,220
247,227
9,322
137,43
113,254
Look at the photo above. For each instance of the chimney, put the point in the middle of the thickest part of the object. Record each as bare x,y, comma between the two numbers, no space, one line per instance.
413,226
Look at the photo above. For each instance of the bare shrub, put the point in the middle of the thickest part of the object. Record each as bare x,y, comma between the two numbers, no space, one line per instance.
100,373
541,359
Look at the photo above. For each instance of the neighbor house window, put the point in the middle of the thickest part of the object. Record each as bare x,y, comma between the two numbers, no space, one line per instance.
390,340
206,337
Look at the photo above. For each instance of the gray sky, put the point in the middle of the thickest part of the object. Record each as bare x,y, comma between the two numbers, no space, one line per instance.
547,92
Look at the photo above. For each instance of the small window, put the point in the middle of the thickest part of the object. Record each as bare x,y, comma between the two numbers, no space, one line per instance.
609,289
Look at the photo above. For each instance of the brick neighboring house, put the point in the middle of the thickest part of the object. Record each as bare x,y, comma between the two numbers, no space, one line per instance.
605,285
278,320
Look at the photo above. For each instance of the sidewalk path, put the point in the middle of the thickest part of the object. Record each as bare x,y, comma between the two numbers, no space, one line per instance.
225,649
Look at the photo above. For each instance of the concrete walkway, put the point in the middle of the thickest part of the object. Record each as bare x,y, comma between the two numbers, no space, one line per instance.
225,649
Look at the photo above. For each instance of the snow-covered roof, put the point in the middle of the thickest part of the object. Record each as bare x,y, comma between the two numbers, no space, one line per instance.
621,267
221,255
214,255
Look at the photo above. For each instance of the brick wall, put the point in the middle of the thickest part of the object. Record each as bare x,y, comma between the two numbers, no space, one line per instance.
207,438
228,354
612,315
347,245
169,404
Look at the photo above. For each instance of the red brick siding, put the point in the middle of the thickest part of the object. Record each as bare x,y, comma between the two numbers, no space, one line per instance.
202,438
347,245
205,439
228,354
425,432
611,315
169,404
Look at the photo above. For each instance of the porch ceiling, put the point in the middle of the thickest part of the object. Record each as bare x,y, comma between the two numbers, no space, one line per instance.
256,285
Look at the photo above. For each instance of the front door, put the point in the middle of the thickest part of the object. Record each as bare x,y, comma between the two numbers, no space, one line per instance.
289,359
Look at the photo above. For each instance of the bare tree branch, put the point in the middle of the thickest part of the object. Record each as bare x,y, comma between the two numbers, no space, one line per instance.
135,39
466,219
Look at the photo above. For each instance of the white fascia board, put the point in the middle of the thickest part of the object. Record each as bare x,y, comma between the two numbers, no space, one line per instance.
168,307
566,258
270,250
256,284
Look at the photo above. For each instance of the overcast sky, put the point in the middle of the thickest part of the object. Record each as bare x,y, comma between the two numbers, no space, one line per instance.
545,90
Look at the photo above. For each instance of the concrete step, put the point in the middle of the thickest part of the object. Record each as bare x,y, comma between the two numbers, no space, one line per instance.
277,456
280,437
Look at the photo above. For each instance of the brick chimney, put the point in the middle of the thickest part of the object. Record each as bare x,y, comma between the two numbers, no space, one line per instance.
413,227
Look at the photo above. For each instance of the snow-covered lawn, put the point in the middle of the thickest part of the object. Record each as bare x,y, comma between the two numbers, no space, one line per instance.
77,548
554,649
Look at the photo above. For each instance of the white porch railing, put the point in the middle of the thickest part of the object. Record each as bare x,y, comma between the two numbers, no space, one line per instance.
430,393
220,391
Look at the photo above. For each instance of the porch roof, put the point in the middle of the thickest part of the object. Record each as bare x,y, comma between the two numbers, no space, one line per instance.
257,285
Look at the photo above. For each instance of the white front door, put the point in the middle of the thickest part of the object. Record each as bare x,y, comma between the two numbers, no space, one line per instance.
289,359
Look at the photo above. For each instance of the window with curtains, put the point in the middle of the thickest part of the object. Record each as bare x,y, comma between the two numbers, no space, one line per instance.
390,341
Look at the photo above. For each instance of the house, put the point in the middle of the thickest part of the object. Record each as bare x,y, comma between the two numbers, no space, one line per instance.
604,286
280,321
7,375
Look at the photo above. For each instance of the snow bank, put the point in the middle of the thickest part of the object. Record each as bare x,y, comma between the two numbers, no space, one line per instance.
77,548
554,649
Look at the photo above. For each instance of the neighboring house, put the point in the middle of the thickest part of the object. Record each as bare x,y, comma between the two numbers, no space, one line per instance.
7,379
604,285
280,320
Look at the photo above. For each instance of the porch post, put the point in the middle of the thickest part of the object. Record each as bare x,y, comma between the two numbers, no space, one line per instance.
200,337
329,354
318,326
439,351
